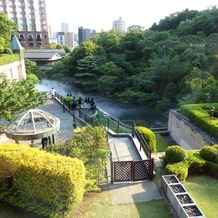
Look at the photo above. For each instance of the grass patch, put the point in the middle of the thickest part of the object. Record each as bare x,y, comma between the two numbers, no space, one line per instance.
161,143
204,191
98,205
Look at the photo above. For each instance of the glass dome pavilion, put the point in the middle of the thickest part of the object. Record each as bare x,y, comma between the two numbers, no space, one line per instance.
31,125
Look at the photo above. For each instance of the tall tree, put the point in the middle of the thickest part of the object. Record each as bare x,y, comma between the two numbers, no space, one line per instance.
16,97
6,29
109,41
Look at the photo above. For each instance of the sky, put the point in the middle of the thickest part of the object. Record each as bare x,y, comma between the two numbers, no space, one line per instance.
100,14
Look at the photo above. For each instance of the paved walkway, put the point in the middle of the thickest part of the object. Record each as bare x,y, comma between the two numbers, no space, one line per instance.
122,149
66,124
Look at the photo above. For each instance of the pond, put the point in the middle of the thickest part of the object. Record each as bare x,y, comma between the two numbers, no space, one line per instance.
116,109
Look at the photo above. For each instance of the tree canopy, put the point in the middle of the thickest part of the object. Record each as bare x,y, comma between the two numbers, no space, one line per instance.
6,29
18,96
150,66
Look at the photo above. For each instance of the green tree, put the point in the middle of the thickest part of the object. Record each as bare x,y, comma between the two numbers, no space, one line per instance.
18,96
212,44
89,72
109,41
90,145
6,29
199,87
31,67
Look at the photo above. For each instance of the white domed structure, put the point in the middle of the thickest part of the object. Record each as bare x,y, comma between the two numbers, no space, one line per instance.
31,125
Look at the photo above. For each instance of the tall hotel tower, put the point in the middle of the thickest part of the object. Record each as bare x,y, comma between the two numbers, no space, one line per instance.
30,15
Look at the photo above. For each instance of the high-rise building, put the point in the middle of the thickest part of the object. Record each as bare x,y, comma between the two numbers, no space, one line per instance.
69,39
85,34
30,15
60,38
64,27
119,24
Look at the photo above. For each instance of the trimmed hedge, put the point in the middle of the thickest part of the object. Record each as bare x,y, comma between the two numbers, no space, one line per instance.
8,59
194,163
199,114
47,184
149,136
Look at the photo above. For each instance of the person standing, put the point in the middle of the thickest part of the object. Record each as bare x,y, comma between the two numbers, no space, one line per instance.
74,102
92,104
80,101
53,93
88,103
44,142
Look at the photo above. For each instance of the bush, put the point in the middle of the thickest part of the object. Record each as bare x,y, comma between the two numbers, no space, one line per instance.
8,51
89,144
149,137
8,59
199,115
178,169
46,184
175,154
208,153
216,159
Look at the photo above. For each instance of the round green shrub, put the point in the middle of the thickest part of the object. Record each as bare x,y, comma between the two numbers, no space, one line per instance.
208,153
216,159
175,154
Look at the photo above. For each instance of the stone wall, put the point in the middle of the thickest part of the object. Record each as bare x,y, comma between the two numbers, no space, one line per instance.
186,133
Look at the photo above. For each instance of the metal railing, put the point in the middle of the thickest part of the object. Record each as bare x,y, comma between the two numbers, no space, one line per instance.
91,117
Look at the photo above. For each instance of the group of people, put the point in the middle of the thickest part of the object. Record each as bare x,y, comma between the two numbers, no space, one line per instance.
45,141
88,102
77,103
51,94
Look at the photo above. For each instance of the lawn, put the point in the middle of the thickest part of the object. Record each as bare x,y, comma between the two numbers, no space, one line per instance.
204,191
161,143
98,205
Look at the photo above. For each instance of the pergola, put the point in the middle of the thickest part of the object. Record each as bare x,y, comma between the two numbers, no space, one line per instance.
31,125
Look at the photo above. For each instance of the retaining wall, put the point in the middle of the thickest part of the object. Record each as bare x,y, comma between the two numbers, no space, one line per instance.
186,133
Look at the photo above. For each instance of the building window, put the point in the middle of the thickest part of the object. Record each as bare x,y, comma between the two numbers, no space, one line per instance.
38,36
45,36
21,36
39,45
30,44
30,27
30,37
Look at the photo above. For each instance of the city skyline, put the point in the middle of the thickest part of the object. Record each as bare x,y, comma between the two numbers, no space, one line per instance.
100,15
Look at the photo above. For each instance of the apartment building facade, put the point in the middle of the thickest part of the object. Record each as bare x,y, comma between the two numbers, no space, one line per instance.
119,24
30,15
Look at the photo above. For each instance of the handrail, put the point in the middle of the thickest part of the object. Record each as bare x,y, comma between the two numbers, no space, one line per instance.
105,121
